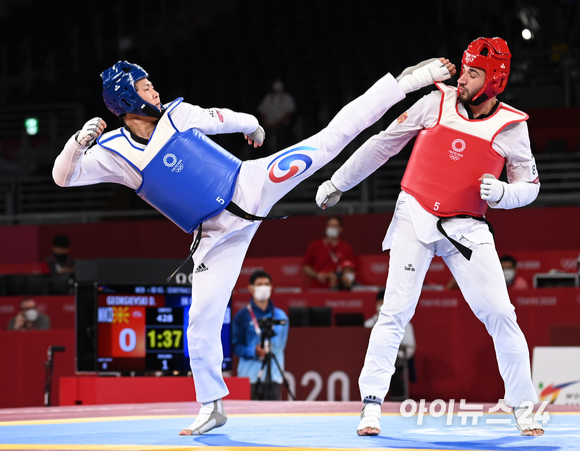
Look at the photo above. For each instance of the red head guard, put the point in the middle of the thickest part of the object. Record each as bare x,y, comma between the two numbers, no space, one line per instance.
493,56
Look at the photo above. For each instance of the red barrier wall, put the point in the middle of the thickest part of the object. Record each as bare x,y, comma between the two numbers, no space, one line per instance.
518,230
287,272
373,269
90,390
22,370
20,244
454,356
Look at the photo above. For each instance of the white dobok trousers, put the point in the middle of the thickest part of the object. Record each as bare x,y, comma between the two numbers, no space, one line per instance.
483,286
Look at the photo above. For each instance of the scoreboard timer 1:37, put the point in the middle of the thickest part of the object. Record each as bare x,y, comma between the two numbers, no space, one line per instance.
144,328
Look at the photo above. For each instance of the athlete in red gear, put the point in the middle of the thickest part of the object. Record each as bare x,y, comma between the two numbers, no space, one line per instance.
466,136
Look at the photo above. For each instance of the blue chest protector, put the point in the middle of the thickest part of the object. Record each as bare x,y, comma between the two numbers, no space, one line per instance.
188,177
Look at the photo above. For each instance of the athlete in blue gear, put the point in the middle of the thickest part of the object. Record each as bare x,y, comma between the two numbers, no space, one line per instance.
164,154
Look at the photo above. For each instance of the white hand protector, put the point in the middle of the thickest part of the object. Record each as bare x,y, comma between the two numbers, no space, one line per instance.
327,195
423,74
258,135
90,131
491,189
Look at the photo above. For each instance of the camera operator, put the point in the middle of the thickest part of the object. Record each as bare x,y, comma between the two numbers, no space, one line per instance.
260,332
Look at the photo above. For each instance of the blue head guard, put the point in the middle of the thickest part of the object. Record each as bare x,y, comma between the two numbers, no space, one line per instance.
119,91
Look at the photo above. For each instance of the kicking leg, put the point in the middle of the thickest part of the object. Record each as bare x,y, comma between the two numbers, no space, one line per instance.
290,166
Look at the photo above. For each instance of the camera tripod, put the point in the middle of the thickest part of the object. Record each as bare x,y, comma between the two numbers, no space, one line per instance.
267,334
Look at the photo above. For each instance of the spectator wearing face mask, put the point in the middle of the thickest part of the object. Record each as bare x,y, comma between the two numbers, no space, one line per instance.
60,262
248,344
29,318
325,256
510,272
347,276
276,110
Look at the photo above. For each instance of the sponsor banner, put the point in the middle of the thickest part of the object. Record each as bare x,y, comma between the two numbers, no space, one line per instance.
373,269
285,271
556,374
541,262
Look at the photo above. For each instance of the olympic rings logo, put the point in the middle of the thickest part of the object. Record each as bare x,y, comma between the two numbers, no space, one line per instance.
454,157
458,145
169,160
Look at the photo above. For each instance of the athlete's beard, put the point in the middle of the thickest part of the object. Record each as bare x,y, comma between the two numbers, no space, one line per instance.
464,97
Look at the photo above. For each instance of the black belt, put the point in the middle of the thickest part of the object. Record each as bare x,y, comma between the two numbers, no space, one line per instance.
464,250
234,209
238,211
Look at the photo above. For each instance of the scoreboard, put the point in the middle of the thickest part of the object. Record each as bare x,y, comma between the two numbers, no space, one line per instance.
143,328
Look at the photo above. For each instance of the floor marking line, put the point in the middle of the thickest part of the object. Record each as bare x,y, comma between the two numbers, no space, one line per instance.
196,448
234,415
163,417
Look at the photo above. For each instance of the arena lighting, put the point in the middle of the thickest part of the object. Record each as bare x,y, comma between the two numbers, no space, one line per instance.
31,125
530,25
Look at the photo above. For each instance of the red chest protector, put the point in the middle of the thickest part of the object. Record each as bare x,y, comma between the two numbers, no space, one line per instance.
448,160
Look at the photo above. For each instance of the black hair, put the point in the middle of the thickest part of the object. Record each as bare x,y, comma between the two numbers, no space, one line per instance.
61,241
508,258
257,274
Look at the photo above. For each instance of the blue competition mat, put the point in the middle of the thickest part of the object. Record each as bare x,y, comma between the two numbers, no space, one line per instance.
289,431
